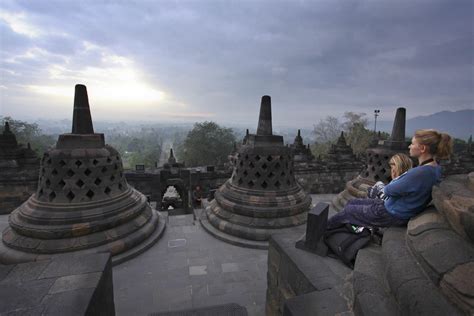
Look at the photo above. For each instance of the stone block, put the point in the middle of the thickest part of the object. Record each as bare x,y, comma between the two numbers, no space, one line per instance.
458,286
374,304
328,302
441,250
315,229
75,282
399,265
454,197
70,302
34,289
27,271
420,297
16,295
428,220
5,270
74,264
370,296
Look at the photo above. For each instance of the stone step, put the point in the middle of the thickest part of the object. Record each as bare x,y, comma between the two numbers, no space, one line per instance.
370,293
143,246
230,309
326,302
429,235
229,238
414,292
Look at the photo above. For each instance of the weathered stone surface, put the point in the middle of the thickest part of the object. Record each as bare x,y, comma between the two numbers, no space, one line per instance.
224,309
415,294
418,297
445,256
75,282
27,271
293,272
327,302
458,285
71,264
370,294
441,250
82,203
454,197
315,228
27,291
425,221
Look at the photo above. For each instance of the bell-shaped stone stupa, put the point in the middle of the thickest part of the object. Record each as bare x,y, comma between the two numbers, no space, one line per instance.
19,167
262,195
377,167
83,203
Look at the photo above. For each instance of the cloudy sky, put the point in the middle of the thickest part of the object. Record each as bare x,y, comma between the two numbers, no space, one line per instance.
213,60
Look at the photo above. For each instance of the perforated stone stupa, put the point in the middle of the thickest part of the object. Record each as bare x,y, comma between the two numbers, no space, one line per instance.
83,203
304,163
19,167
262,195
377,167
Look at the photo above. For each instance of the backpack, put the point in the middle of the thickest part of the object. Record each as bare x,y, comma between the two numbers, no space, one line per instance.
345,241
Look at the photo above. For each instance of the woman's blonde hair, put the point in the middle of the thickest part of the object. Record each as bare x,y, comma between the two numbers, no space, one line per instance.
401,163
439,144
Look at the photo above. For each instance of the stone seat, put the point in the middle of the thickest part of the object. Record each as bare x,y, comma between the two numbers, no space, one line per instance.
443,255
405,275
429,265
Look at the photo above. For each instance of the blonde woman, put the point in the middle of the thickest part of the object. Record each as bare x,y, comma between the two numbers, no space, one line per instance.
407,195
399,165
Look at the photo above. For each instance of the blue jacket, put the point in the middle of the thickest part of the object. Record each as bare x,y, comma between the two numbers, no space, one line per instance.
409,194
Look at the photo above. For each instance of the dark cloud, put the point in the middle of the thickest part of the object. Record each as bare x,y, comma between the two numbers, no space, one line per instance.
314,57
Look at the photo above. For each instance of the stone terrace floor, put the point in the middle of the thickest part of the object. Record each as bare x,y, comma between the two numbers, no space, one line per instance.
188,268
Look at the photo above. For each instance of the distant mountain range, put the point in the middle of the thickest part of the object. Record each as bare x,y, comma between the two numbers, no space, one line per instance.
459,124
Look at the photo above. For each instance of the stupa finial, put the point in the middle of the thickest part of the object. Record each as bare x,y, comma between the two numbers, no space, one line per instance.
81,120
398,131
7,128
265,119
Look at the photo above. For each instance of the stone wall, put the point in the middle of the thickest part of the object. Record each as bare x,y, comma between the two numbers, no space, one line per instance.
72,285
333,180
297,279
150,184
13,192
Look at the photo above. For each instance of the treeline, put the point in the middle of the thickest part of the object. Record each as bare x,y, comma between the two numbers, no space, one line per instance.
207,143
358,136
143,146
138,146
29,133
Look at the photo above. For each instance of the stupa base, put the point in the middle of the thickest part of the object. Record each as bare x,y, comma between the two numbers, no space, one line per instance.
121,250
242,242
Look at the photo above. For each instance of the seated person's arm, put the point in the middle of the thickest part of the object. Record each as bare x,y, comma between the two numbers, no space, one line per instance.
405,185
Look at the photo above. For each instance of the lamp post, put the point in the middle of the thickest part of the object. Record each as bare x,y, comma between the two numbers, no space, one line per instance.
376,113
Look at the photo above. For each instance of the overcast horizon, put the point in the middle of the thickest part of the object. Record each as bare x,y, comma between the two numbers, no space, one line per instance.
180,62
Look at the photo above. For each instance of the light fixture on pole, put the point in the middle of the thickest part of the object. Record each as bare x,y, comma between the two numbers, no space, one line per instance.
376,114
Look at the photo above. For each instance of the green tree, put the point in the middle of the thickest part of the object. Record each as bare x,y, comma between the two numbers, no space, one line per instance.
357,134
327,130
138,147
29,133
355,129
206,144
